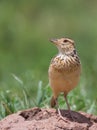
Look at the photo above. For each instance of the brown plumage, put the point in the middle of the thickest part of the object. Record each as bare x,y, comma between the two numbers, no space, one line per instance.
64,69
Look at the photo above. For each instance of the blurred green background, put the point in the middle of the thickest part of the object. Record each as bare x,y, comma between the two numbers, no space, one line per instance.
25,50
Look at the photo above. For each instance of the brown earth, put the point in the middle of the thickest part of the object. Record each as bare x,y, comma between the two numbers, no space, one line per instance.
48,119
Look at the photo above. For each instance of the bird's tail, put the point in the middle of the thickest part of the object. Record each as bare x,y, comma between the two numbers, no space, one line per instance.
53,102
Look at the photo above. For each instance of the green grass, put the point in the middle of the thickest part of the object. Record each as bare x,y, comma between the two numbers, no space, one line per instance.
13,101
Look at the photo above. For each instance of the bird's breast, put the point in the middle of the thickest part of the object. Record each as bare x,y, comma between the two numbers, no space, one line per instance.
65,63
64,75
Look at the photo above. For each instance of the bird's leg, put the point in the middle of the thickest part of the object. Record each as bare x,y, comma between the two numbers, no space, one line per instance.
65,96
59,112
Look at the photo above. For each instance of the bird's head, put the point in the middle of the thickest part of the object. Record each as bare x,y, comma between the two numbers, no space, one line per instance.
64,45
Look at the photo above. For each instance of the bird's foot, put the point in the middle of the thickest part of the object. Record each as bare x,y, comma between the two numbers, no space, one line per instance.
60,116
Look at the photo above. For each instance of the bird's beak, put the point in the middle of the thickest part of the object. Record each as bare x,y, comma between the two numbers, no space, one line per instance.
54,41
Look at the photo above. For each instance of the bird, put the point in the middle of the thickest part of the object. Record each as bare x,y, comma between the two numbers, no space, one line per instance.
64,71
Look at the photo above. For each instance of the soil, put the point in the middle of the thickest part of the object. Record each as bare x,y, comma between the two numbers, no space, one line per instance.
48,119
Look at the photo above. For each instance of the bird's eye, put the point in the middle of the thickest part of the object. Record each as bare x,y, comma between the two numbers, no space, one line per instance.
65,40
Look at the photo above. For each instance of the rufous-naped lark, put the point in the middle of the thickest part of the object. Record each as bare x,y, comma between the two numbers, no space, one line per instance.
64,70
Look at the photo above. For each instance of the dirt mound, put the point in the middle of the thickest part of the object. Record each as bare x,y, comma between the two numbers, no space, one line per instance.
48,119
